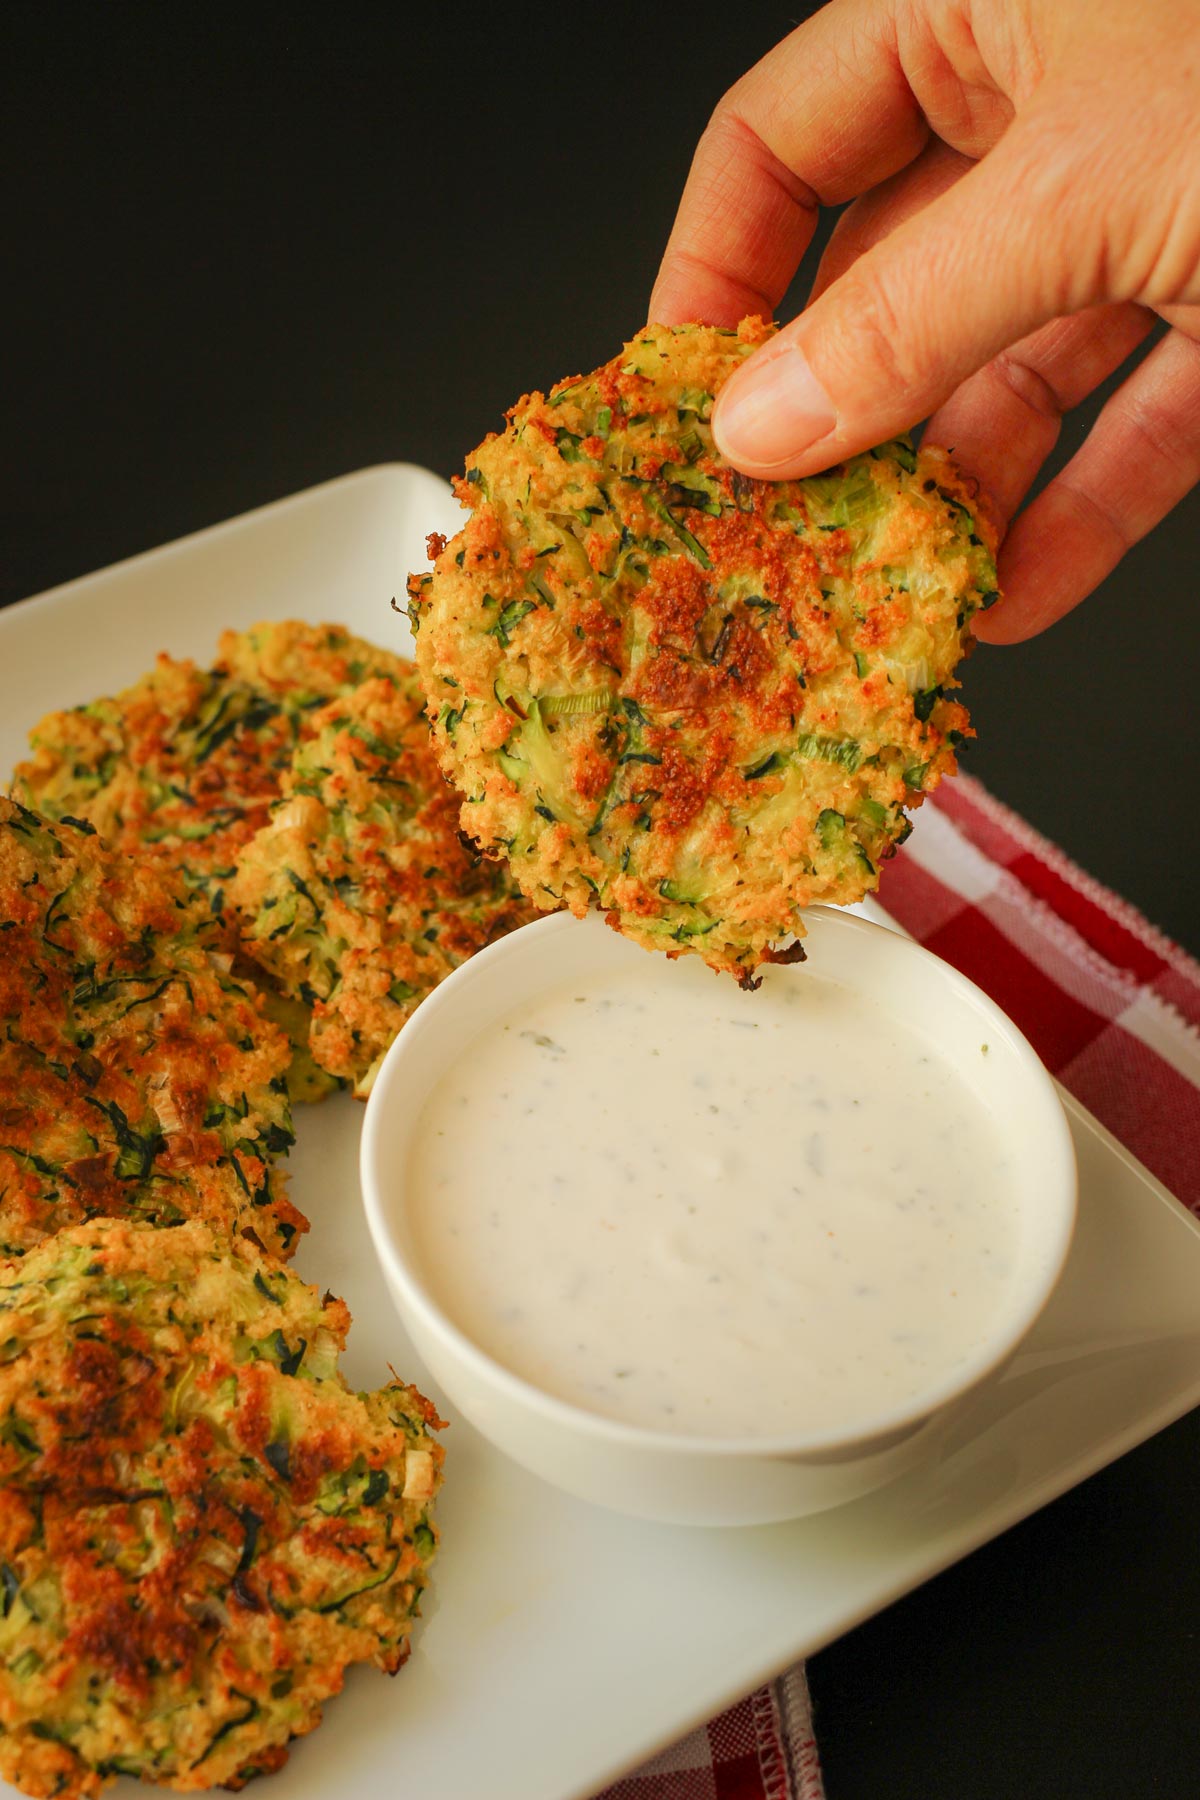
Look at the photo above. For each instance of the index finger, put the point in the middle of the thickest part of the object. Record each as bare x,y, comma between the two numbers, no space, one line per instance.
827,114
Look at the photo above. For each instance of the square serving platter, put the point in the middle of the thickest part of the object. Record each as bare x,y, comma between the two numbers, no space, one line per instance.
560,1644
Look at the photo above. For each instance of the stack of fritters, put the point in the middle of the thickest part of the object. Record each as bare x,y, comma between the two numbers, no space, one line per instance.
185,764
294,787
696,701
200,1525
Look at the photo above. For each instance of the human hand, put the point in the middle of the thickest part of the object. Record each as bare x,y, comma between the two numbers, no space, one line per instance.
1025,181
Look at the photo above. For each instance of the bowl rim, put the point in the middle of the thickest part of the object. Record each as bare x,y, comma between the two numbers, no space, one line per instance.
869,1432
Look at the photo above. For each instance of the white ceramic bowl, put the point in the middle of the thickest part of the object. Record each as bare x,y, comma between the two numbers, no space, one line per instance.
654,1474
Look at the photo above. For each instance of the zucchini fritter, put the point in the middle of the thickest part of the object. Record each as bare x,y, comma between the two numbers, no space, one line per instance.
184,765
361,894
696,701
138,1076
201,1526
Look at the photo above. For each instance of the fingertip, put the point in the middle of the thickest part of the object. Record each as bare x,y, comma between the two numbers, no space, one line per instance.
671,302
690,293
1038,589
1001,624
772,418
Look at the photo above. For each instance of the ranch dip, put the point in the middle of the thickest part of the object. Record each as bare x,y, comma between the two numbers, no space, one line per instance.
712,1212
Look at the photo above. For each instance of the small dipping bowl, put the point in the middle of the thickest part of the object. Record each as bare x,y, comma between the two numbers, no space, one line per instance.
689,1478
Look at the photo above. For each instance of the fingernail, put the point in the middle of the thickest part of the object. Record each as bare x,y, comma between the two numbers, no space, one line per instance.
772,410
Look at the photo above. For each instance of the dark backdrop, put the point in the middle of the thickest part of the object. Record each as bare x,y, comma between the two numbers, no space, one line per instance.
250,250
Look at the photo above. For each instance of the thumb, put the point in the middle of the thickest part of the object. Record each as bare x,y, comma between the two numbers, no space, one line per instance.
981,266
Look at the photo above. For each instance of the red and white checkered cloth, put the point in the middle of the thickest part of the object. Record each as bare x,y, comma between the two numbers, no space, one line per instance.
1113,1009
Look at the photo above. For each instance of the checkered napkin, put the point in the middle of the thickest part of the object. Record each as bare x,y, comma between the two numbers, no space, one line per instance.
1113,1009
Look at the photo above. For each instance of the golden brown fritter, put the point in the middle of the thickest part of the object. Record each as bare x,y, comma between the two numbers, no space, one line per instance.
201,1526
184,765
138,1076
361,894
696,701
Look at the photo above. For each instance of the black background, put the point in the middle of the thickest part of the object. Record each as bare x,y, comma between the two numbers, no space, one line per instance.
248,250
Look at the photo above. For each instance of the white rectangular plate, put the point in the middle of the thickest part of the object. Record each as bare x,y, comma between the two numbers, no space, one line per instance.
561,1644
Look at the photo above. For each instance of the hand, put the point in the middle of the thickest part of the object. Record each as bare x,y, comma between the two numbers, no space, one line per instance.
1025,177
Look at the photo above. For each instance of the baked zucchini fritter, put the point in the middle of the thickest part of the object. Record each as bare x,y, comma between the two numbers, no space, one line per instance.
138,1076
184,765
361,894
201,1526
696,701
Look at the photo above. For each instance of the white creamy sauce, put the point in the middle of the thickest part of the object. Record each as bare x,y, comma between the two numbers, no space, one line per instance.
712,1212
